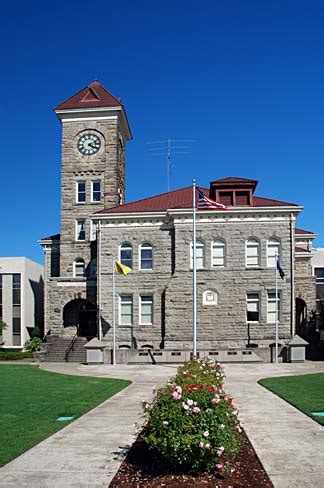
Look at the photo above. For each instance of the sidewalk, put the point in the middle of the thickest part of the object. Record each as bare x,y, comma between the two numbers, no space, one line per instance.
88,452
289,444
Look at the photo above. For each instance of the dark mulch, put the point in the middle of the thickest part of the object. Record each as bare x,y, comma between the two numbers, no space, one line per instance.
143,467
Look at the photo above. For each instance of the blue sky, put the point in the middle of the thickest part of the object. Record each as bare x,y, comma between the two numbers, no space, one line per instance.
242,79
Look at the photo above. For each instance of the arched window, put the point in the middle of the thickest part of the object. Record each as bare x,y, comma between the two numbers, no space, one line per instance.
146,256
273,250
79,267
126,254
200,255
218,253
210,297
252,253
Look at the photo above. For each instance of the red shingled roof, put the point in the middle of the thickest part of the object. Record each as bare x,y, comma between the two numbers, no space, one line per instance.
300,249
234,180
92,96
301,231
179,199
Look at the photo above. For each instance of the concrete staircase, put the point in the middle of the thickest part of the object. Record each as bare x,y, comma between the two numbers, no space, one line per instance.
57,347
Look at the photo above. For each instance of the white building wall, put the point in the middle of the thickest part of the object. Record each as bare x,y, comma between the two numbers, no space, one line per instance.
31,297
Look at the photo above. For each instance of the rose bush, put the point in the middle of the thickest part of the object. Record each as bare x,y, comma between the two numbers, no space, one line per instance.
192,422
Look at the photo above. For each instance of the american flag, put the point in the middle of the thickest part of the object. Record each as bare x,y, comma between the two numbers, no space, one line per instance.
205,202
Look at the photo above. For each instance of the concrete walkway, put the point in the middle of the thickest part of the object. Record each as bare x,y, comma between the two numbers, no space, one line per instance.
87,453
289,444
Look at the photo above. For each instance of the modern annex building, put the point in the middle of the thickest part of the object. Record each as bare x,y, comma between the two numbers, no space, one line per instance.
21,300
236,249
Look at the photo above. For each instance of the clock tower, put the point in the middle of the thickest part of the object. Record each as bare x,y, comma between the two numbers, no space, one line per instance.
94,134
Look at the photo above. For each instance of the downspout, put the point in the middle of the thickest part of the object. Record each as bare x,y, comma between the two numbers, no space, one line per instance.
292,267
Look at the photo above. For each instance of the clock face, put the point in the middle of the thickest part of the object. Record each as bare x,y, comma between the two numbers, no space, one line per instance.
89,144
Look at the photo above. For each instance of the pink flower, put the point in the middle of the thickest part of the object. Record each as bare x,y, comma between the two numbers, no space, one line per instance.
207,445
190,402
165,422
219,466
201,444
216,399
196,410
206,433
177,391
185,406
239,428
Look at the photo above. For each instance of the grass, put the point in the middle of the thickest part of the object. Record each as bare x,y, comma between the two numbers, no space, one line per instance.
31,400
305,392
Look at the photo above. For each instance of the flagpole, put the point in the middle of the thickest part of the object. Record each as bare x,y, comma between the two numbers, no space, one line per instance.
194,277
113,312
277,325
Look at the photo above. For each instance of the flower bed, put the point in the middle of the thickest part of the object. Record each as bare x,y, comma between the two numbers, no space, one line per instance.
192,422
192,436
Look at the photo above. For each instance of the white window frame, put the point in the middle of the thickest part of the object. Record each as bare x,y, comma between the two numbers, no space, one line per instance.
78,192
92,191
253,300
145,245
218,244
151,302
272,300
129,302
273,243
257,245
94,226
200,244
77,232
75,263
120,249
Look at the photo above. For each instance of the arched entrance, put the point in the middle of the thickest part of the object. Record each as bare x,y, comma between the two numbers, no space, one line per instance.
83,314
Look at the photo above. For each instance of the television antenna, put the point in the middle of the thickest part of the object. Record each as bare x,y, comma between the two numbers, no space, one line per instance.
169,148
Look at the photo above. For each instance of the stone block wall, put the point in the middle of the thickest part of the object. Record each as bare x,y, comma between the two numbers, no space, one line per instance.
221,325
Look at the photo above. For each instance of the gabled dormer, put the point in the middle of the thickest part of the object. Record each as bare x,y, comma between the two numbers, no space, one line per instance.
233,191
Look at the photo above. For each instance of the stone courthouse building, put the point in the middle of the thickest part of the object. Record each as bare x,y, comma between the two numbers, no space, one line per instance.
236,250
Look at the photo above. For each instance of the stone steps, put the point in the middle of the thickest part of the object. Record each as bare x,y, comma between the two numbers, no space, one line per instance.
57,347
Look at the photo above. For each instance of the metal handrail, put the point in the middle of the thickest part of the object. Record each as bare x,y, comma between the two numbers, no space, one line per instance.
70,348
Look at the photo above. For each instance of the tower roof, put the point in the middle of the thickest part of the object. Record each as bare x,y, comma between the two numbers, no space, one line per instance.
92,96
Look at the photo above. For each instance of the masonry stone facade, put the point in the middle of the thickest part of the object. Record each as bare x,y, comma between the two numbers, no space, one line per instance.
153,303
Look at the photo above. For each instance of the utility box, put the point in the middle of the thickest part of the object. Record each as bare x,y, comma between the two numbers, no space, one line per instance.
297,350
94,351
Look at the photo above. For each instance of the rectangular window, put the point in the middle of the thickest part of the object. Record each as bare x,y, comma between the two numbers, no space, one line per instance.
96,191
218,253
146,309
252,307
200,255
80,230
81,191
226,197
94,230
126,309
242,198
16,304
271,313
252,253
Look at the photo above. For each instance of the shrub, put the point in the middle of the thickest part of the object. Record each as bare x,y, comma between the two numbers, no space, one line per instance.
192,422
11,356
3,326
36,332
33,344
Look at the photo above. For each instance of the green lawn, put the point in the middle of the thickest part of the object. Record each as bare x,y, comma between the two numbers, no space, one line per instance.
31,400
305,392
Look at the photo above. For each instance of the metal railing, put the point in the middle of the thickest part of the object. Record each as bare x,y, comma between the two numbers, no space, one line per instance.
70,347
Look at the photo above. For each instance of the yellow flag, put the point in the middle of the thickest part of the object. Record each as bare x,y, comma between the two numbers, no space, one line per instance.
122,268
